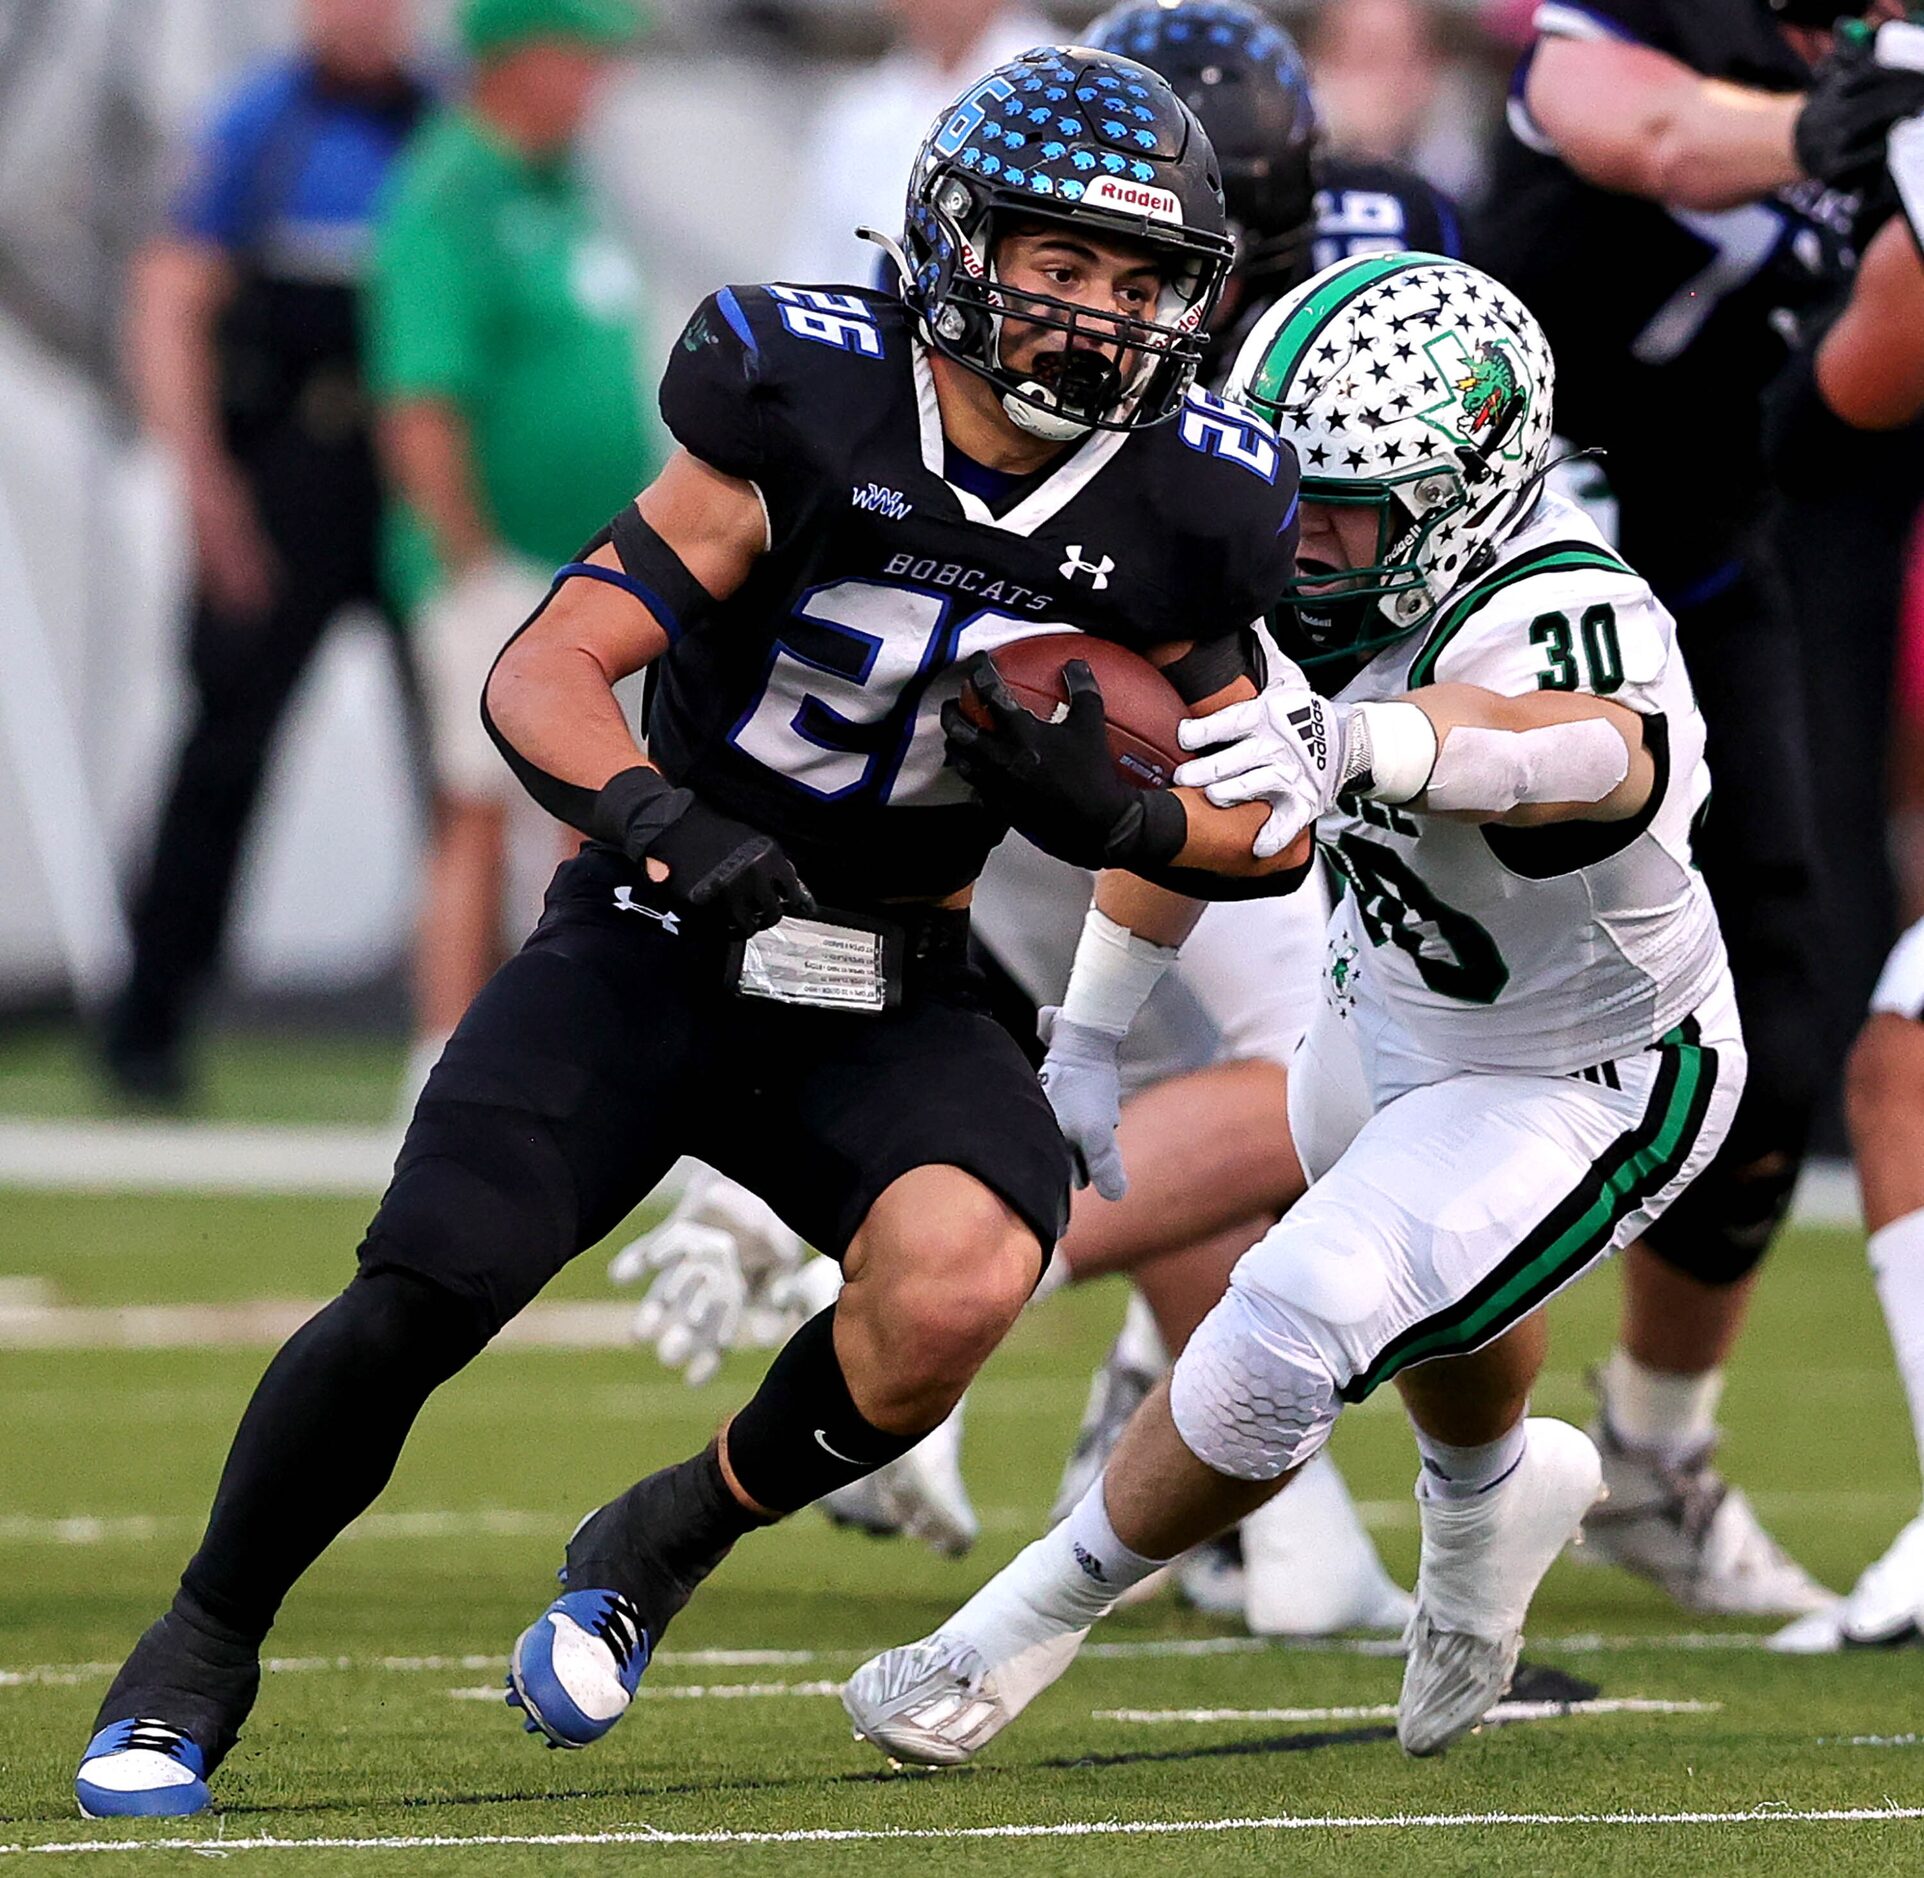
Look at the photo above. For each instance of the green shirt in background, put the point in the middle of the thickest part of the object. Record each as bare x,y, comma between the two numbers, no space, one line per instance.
494,288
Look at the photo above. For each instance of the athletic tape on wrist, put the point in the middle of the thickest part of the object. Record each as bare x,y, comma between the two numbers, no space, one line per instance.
1113,975
1393,746
1490,772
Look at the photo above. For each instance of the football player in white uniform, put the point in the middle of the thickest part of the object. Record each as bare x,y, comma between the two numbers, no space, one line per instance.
1527,1046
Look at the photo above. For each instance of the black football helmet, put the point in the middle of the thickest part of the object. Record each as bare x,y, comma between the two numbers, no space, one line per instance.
1244,77
1064,134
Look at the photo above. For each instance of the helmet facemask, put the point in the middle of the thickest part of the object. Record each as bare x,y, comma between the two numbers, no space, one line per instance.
1345,611
1082,387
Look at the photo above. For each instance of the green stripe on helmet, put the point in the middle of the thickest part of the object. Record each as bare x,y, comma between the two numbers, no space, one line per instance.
1285,352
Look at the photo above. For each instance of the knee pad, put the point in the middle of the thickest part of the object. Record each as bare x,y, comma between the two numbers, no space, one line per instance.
481,1205
1719,1228
1250,1395
394,1316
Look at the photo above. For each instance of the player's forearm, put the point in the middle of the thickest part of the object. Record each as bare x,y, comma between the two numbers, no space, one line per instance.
1524,762
425,450
1150,912
1870,365
550,703
1219,841
1637,121
174,300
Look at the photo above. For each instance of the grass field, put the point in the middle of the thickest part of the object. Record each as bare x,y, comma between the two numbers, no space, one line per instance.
381,1721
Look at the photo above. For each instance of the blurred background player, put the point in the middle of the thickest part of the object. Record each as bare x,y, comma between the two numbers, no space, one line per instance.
504,335
1865,369
245,362
1663,195
872,127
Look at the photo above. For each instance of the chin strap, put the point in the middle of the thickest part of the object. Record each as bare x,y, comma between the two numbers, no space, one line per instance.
1026,411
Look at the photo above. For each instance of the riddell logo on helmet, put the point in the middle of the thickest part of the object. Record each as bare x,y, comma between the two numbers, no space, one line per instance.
1111,192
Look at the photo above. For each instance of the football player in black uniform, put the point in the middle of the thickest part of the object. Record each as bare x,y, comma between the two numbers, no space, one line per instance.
1675,178
1864,368
759,960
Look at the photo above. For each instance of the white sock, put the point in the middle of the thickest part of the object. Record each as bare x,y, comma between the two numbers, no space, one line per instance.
1669,1415
1062,1583
1897,1262
1451,1473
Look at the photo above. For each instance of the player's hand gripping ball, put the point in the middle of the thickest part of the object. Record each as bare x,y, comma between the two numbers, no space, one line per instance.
1070,780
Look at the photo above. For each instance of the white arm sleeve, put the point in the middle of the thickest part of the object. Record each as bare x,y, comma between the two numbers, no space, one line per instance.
1488,772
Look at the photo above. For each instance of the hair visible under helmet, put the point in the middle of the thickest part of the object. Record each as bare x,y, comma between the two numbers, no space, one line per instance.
1420,388
1245,79
1097,143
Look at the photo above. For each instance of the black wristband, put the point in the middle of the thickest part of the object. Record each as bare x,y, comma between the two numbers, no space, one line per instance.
633,809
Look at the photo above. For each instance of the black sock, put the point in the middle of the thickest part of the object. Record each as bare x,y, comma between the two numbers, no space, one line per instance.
660,1539
802,1436
320,1439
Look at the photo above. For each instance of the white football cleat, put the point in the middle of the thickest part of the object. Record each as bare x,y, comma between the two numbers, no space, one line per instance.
1483,1559
919,1496
1883,1609
1309,1568
1687,1530
939,1702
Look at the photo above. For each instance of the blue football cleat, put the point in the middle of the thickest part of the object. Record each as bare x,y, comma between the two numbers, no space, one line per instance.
574,1669
141,1770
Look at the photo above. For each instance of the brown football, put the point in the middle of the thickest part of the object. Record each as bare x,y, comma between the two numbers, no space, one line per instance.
1141,705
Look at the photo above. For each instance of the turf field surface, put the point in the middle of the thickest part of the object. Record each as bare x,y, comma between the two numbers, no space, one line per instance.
379,1743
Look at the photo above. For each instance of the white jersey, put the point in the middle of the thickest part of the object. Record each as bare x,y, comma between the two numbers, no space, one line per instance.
1553,948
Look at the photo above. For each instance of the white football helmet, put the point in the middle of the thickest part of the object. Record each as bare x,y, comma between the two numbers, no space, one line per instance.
1419,387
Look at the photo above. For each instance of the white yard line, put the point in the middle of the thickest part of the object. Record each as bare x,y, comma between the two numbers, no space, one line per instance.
1771,1815
194,1157
253,1322
135,1156
66,1675
678,1691
1386,1711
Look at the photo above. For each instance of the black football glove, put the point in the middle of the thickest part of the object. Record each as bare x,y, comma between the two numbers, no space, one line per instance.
719,870
1853,103
1055,781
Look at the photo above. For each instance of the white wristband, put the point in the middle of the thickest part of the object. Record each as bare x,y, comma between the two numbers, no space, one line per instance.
1398,749
1113,975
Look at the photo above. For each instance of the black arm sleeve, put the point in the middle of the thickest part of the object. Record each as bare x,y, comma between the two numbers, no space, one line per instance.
1198,883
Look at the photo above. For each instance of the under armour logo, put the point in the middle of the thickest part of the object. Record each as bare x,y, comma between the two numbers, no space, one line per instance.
1098,571
625,902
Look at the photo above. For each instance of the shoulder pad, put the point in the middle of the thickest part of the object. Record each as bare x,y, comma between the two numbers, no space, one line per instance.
1568,616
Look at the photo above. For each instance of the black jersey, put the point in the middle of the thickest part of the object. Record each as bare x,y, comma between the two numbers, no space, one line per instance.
1361,208
1666,323
808,703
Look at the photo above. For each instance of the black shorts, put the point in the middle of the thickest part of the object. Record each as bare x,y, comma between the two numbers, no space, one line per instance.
610,1046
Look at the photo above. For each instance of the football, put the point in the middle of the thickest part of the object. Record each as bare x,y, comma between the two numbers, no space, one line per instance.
1141,705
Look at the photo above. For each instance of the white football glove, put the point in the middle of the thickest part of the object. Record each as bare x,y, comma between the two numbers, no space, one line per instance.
1083,1081
1288,747
714,1259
